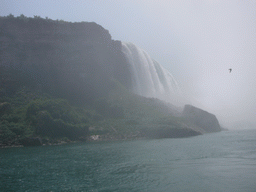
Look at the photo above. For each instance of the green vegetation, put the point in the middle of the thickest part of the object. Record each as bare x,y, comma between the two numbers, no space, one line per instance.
41,116
62,81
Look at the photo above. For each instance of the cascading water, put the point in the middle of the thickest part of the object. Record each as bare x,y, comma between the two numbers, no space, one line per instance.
150,79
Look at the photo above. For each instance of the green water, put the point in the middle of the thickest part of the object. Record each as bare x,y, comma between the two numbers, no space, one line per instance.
223,161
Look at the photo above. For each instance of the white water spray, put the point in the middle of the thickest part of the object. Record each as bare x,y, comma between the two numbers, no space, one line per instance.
150,79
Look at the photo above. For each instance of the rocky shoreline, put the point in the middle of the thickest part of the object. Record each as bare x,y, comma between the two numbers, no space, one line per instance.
153,134
93,138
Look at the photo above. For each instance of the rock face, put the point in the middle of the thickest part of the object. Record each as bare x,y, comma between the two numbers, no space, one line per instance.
78,60
31,141
207,121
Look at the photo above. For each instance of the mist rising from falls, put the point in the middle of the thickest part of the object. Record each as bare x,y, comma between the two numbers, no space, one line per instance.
149,78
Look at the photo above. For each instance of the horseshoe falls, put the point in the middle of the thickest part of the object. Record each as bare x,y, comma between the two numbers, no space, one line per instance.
149,78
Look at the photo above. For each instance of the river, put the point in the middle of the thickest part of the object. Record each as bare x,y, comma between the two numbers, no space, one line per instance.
224,161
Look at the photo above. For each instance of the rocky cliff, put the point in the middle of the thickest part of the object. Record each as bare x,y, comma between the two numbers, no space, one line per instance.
78,60
204,120
62,81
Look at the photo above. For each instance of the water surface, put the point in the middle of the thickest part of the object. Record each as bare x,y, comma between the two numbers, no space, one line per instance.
224,161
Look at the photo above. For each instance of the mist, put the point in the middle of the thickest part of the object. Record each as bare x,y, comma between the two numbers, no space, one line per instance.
197,41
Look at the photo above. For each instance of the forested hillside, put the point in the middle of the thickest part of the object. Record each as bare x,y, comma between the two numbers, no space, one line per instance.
66,81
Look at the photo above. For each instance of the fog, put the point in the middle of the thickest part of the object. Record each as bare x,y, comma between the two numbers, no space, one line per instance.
197,41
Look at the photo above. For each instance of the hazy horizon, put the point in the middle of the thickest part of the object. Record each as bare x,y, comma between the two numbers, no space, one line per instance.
197,41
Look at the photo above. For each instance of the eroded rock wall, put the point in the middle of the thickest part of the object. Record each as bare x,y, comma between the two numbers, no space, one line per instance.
201,118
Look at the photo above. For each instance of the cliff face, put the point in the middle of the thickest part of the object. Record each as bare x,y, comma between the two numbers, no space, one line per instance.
64,81
79,60
207,121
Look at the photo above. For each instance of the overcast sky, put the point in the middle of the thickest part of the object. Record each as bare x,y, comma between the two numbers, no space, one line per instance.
196,40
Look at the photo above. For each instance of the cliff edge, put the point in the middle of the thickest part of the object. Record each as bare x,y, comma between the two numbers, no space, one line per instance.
203,119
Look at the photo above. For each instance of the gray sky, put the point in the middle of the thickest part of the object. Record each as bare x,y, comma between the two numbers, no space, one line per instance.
196,40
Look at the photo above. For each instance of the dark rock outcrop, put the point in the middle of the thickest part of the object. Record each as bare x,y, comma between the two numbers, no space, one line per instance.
31,141
169,132
207,121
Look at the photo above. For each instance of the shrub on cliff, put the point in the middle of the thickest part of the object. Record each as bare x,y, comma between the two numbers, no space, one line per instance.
56,118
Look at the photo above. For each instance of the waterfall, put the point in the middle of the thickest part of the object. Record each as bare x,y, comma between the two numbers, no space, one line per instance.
149,78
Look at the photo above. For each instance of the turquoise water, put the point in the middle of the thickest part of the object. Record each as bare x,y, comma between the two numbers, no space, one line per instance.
224,161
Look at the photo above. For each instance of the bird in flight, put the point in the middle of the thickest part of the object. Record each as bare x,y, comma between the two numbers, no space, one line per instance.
230,70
